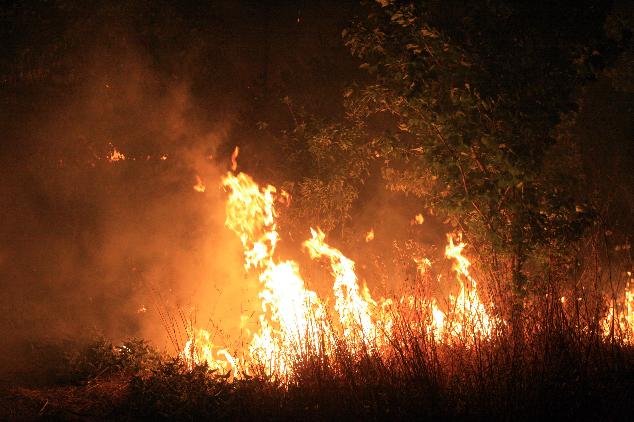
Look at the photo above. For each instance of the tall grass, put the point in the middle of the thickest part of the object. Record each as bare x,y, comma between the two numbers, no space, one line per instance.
562,365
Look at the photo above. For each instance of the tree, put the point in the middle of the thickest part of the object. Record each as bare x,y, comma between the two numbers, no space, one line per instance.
475,96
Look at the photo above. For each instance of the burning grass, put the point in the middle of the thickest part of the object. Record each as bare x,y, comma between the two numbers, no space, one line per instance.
296,325
359,357
556,373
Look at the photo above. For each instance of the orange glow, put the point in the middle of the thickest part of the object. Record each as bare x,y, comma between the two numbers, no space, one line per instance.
234,159
470,314
369,236
295,322
115,155
619,321
199,186
418,219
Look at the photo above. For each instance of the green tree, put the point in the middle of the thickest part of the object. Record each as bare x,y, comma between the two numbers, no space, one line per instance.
474,96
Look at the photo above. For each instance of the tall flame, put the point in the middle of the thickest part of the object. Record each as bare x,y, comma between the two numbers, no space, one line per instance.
294,322
619,321
471,317
199,186
352,307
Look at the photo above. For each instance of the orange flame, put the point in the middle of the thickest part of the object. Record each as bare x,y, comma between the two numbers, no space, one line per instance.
115,156
234,158
619,321
354,310
199,186
294,321
472,316
418,219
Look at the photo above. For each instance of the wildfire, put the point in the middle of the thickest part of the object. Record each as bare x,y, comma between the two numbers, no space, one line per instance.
234,159
418,219
353,309
619,321
295,322
369,236
422,265
115,155
199,186
199,349
470,314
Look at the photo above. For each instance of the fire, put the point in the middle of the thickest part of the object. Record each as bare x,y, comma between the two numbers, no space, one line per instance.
295,322
292,315
418,219
369,236
353,309
470,314
199,186
199,349
422,265
234,159
619,321
115,155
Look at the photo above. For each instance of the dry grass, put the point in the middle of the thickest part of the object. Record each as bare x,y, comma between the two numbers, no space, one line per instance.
560,366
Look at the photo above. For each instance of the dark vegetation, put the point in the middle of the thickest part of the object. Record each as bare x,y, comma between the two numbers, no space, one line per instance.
559,373
507,121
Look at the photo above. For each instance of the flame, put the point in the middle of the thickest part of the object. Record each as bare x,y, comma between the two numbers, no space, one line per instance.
234,158
353,308
115,155
292,316
418,219
470,314
422,265
199,349
295,322
619,321
369,236
199,186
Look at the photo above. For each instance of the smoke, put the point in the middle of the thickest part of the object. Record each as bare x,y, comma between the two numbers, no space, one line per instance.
127,248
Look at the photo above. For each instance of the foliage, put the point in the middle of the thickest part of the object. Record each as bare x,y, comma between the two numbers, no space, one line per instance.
99,358
473,113
566,370
175,392
322,165
619,27
328,187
